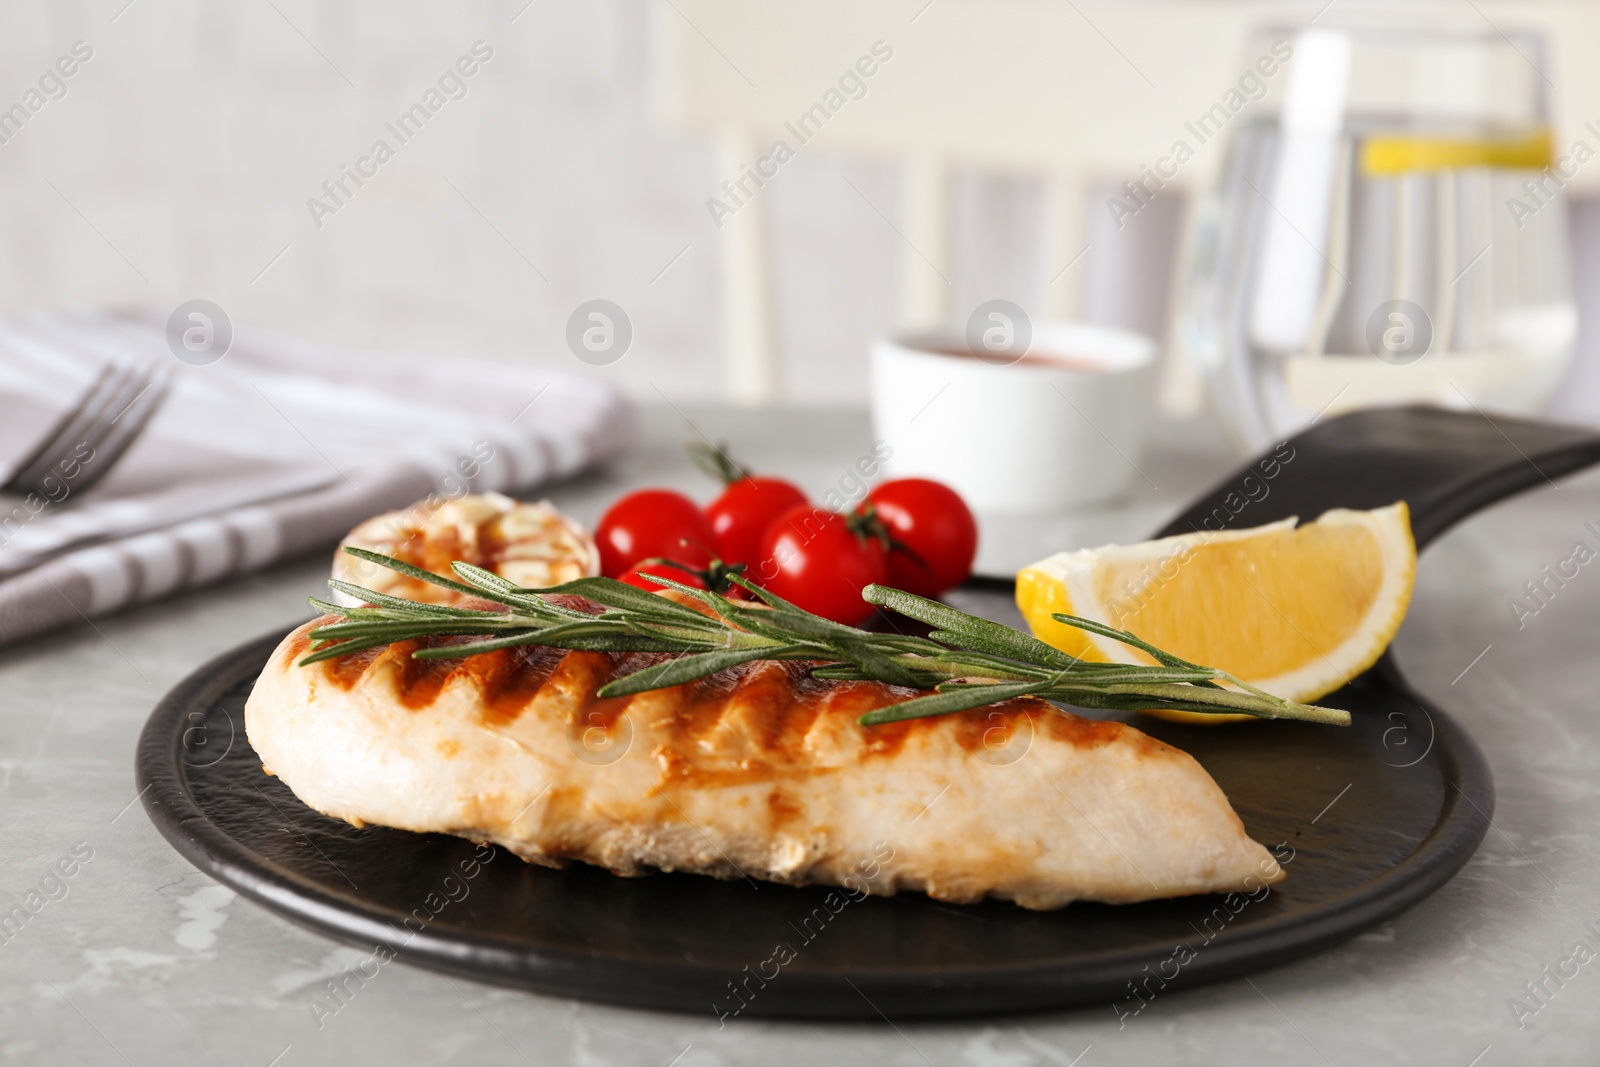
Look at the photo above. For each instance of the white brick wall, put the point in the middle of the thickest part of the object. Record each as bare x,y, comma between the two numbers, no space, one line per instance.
194,136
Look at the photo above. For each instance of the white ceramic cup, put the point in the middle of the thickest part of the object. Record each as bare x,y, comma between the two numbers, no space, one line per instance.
1062,426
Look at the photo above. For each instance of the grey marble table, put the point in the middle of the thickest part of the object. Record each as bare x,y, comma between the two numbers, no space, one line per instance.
138,958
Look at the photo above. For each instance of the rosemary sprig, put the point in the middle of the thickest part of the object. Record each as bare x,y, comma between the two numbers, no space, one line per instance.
967,661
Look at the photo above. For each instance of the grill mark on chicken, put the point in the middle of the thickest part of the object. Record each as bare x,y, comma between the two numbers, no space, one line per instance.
346,671
420,679
510,679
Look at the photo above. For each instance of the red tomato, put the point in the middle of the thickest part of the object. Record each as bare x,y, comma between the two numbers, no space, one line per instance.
815,559
741,516
937,530
635,577
649,523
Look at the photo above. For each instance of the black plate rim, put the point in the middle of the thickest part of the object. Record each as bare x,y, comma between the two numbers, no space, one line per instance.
635,982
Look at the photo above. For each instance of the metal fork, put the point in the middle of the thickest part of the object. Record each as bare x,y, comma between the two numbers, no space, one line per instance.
90,438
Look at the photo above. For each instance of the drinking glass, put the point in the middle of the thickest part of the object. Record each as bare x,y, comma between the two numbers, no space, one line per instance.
1388,227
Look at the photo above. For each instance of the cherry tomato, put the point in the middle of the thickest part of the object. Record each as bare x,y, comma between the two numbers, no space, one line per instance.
817,560
649,523
936,529
635,577
741,516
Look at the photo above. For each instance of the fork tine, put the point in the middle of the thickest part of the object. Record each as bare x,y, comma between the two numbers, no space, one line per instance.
129,390
123,429
132,386
70,429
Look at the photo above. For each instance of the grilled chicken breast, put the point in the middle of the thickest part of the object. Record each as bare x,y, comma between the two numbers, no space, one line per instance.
757,772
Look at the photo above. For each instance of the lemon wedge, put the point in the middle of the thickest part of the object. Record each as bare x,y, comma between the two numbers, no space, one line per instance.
1296,611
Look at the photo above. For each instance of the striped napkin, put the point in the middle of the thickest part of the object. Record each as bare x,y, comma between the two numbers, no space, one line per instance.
277,449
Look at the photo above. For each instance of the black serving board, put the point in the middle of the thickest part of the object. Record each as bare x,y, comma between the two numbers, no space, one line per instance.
1369,820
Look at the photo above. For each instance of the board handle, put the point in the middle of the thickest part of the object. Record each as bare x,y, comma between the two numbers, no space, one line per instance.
1444,464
